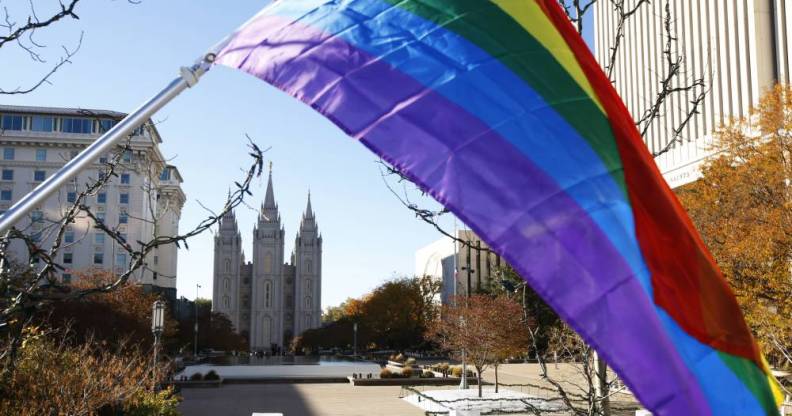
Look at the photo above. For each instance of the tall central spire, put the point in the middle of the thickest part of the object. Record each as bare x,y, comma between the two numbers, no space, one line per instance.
308,210
269,198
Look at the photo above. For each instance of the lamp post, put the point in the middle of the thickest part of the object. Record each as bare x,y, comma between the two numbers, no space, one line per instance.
157,325
195,344
464,383
354,339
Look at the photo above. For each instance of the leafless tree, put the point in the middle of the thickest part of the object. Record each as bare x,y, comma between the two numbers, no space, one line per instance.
19,30
26,288
22,34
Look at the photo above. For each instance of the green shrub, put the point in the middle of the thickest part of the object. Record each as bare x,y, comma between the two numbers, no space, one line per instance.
162,403
385,373
196,377
407,372
211,375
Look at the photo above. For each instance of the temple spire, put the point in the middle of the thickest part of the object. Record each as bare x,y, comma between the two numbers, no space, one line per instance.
269,198
308,210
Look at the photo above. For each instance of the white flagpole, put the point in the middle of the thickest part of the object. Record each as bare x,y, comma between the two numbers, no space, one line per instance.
188,77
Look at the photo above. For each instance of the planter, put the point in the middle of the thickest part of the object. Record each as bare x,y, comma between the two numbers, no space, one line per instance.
413,381
197,383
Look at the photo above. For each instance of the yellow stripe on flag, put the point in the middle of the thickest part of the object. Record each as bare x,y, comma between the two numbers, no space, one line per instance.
533,19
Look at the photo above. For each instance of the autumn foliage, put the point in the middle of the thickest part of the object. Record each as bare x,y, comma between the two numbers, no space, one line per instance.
56,376
395,315
741,206
113,317
488,328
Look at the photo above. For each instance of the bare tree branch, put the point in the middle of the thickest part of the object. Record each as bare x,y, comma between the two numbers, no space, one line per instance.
23,37
33,23
622,16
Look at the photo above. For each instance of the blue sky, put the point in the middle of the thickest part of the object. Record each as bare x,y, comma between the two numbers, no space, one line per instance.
129,52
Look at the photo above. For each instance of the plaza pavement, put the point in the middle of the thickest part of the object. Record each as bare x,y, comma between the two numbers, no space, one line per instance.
347,400
295,400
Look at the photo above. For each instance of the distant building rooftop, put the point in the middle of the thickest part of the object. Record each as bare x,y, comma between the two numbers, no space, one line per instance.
65,111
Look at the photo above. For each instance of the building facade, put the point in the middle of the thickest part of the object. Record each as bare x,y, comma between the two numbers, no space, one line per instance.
458,265
268,299
741,48
144,200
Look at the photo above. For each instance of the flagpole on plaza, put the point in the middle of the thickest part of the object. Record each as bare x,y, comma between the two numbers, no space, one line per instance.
188,77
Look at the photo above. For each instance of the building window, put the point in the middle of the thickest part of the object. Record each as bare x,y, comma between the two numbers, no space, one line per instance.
103,160
124,179
226,301
41,155
227,283
166,175
121,260
71,197
98,258
308,266
308,303
67,258
100,216
127,156
12,122
76,125
68,237
267,294
37,216
8,175
8,153
228,266
123,218
39,175
101,198
155,275
105,125
123,238
5,195
41,123
99,238
156,258
268,262
123,198
67,278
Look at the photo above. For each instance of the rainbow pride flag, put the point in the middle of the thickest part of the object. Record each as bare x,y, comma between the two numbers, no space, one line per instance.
498,110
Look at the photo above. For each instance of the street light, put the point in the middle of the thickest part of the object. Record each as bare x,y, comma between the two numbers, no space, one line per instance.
157,325
354,340
464,383
195,344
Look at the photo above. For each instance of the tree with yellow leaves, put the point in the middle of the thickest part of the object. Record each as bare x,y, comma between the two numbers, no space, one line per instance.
741,206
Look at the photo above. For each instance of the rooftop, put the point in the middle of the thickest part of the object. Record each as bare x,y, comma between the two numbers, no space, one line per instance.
64,111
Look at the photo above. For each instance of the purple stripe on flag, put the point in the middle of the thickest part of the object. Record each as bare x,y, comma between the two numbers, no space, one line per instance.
543,233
